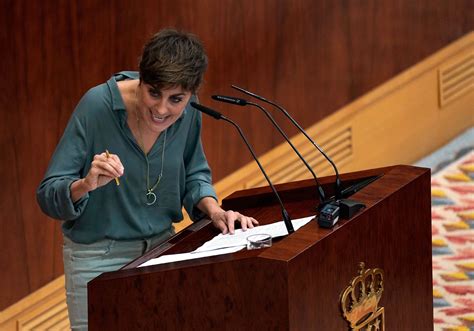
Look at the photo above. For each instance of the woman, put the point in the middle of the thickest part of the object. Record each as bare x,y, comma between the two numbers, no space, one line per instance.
129,160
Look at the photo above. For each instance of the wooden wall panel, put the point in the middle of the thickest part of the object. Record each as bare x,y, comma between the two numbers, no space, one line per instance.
311,56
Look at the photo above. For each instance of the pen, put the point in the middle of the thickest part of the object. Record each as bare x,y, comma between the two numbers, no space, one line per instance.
116,179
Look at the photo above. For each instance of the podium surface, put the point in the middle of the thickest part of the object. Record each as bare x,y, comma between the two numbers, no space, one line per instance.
297,283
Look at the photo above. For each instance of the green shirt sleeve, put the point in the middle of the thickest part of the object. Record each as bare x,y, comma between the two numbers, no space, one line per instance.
53,193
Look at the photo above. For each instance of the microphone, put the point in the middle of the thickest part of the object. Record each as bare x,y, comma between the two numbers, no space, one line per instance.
338,180
231,100
242,102
329,212
219,116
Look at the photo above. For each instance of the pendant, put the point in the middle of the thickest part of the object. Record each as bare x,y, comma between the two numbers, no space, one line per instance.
151,198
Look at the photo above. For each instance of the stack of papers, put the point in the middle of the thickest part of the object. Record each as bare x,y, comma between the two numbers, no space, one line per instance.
227,243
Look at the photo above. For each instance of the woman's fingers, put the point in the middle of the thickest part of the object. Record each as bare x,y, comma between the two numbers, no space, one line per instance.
249,222
225,221
110,163
246,222
104,168
114,160
221,225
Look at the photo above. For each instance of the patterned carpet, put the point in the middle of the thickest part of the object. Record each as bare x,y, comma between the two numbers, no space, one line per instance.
452,193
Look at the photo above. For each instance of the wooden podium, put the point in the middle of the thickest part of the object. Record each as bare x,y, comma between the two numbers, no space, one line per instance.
297,283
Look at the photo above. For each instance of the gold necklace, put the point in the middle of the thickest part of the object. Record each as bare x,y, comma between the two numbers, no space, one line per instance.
150,195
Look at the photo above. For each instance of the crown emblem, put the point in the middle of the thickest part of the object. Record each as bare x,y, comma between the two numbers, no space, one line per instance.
360,300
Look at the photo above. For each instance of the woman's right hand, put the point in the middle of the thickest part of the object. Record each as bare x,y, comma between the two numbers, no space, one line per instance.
103,169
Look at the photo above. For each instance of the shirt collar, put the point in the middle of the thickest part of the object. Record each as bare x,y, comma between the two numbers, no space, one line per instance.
117,101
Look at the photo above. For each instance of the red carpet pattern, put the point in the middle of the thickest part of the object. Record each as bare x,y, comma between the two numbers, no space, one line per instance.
452,194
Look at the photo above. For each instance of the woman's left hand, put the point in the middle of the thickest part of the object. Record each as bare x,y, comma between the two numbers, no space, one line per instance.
225,221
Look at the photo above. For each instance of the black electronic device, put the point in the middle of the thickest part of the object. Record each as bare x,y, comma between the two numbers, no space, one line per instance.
329,215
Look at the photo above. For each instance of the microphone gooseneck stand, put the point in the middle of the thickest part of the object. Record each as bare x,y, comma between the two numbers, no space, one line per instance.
329,210
218,116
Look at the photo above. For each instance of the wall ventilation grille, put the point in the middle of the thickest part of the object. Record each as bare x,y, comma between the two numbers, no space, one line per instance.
456,79
287,168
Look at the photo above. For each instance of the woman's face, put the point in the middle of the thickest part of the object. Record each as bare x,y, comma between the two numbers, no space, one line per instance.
159,109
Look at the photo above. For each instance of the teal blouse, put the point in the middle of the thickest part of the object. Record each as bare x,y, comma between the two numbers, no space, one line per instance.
99,122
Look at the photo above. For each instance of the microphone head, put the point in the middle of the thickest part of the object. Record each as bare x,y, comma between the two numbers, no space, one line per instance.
231,100
207,111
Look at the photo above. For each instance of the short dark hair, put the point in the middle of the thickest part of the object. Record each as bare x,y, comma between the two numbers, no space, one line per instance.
172,58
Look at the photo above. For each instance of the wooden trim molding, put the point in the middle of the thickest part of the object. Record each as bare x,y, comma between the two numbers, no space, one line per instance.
44,309
398,122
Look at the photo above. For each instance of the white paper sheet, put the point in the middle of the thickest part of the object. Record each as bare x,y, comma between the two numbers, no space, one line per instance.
226,243
189,256
239,238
